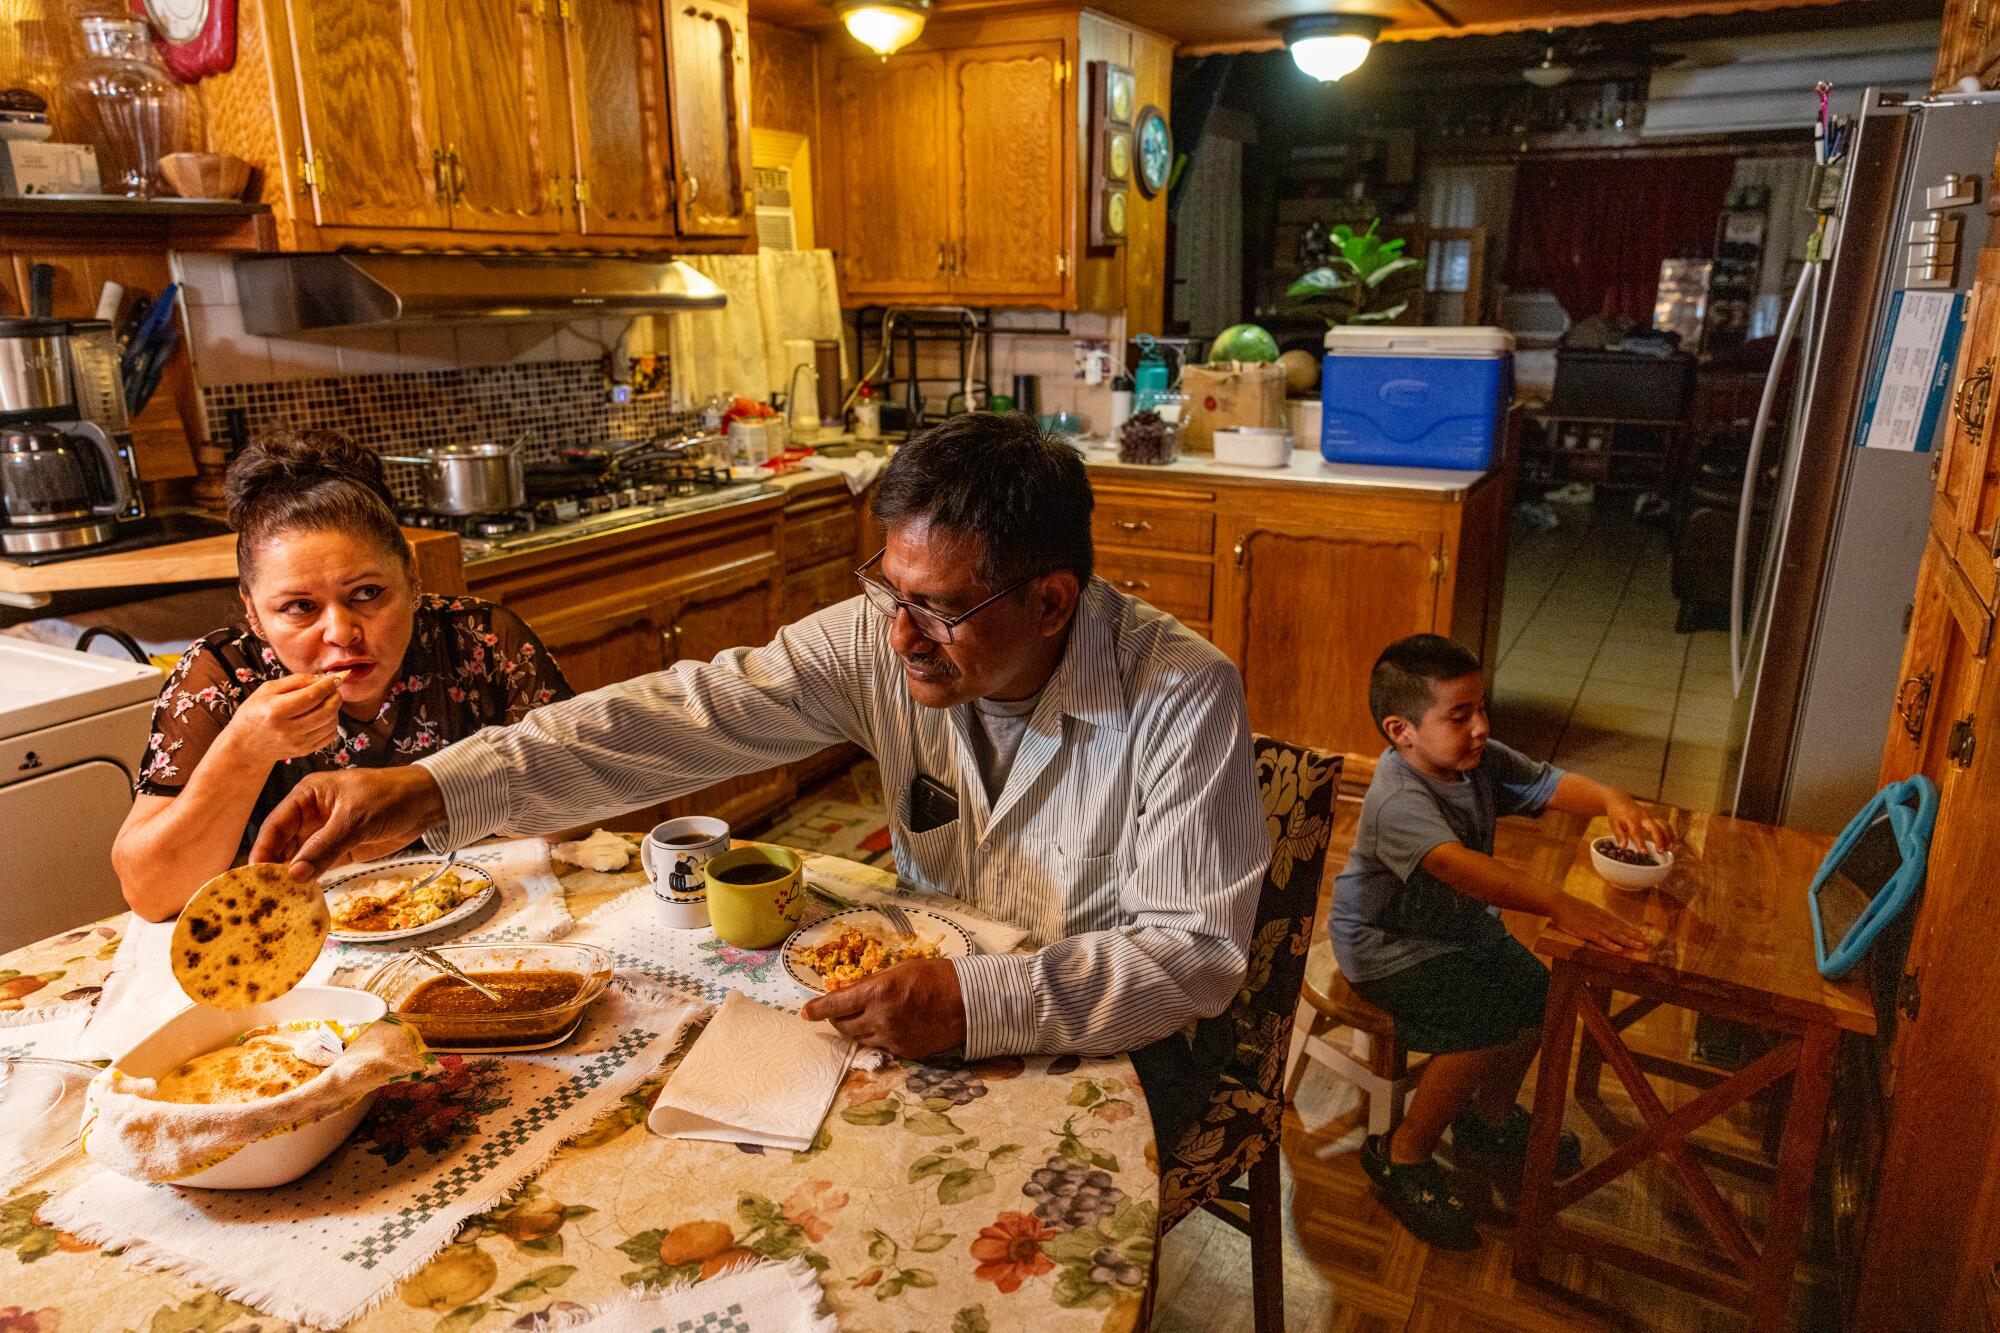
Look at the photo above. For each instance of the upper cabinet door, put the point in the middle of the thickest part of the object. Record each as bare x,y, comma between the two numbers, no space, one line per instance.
709,71
618,108
370,128
492,75
1009,204
887,175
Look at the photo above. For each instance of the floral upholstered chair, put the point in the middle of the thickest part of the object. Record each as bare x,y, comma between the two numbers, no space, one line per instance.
1239,1131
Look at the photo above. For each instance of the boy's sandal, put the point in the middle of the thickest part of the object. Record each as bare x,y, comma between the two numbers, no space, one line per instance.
1509,1141
1421,1197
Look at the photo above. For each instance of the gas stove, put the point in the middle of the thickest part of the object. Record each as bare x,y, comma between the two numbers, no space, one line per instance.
577,504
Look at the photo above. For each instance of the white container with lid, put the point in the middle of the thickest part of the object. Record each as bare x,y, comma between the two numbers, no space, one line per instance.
1254,446
1399,340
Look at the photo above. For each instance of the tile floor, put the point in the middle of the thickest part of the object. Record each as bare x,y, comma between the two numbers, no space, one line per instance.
1591,673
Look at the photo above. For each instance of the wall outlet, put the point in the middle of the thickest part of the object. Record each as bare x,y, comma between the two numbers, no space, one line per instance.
1093,360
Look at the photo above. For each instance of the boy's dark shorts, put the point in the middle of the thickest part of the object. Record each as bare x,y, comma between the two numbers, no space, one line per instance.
1463,1001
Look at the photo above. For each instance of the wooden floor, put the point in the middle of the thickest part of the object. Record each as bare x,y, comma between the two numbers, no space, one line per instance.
1349,1265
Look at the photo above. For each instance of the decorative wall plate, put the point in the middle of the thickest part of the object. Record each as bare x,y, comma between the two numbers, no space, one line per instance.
195,38
1155,151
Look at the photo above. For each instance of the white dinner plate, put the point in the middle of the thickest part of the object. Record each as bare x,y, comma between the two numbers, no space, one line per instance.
341,887
948,935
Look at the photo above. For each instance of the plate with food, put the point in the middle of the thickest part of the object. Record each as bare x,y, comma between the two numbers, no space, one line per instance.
384,902
854,945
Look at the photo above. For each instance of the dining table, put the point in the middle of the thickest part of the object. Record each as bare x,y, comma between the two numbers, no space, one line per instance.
1733,939
1012,1192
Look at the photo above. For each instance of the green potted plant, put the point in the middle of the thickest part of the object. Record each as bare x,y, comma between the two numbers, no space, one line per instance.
1360,279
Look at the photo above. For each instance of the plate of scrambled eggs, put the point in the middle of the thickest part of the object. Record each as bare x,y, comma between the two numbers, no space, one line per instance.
854,945
382,902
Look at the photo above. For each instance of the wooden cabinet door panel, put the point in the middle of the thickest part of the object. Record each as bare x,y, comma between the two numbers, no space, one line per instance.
1304,609
735,614
1967,451
618,101
831,533
815,589
597,646
708,73
888,177
1151,526
494,80
370,126
1006,131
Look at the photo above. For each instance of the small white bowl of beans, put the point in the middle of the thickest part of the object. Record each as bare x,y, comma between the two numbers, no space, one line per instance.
1633,869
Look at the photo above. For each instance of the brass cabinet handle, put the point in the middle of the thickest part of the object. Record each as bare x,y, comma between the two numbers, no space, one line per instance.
674,641
941,261
958,258
1970,402
457,174
693,187
438,185
1134,525
1134,585
1913,703
1240,552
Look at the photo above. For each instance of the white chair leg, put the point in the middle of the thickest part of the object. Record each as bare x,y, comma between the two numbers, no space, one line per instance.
1303,1020
1384,1105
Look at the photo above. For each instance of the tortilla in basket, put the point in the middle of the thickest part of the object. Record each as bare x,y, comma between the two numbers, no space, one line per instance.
248,935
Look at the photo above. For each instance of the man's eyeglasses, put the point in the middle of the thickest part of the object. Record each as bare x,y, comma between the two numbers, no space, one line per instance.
936,628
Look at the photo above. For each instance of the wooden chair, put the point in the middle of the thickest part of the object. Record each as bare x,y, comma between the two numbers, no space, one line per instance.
1238,1133
1374,1061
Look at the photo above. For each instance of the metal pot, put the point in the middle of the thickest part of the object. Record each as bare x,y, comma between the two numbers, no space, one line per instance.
34,370
461,480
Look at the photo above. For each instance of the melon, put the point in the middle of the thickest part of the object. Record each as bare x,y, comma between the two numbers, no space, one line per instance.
1243,342
1301,372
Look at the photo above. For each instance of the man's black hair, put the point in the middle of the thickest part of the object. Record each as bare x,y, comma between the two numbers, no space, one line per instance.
1400,684
1021,491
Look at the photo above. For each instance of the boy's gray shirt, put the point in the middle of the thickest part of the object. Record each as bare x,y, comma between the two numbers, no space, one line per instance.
1388,912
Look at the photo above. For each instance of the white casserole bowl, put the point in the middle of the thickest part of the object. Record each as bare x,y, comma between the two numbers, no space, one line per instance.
1254,446
198,1029
1632,878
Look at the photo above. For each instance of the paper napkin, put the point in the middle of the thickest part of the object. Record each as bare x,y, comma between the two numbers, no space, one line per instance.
756,1075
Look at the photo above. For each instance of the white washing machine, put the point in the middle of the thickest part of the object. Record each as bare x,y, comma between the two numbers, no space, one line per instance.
73,730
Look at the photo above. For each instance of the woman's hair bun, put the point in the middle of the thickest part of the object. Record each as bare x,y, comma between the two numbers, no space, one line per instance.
284,465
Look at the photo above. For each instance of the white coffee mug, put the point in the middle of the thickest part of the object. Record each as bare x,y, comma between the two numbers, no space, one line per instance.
675,855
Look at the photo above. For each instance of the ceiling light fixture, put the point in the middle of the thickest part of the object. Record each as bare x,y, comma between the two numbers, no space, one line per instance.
1332,46
1548,74
884,26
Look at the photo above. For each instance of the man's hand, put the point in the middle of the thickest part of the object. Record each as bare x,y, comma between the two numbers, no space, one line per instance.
1633,827
333,818
911,1010
1594,925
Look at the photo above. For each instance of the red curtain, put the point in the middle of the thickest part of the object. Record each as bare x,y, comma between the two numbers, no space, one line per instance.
1594,231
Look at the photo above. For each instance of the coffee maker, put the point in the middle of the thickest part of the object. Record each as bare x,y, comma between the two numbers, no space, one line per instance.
68,477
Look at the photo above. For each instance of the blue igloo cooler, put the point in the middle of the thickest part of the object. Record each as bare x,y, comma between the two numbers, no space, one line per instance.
1414,397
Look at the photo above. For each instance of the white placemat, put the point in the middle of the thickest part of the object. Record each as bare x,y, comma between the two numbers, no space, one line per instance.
694,963
325,1248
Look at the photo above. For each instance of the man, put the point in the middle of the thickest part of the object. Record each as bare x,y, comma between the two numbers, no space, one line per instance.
1057,754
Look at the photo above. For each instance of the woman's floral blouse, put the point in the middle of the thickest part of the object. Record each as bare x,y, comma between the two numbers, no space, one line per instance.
470,664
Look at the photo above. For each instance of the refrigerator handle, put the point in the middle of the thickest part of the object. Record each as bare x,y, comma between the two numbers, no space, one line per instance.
1787,328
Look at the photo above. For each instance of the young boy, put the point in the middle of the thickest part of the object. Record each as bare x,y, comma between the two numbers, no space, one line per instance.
1416,922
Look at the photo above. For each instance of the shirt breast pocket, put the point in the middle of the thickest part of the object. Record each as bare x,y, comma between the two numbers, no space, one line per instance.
929,858
1083,889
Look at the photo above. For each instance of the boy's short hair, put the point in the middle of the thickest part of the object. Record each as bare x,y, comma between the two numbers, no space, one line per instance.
1400,684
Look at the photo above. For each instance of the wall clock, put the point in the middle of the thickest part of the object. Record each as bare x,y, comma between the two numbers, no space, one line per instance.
195,38
1156,151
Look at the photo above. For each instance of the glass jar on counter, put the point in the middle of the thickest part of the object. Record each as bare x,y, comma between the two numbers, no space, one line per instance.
136,114
1153,436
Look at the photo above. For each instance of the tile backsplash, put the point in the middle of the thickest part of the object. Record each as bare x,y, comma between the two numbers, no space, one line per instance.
556,403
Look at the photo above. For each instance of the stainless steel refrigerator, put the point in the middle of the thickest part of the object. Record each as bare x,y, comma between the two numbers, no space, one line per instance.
1825,579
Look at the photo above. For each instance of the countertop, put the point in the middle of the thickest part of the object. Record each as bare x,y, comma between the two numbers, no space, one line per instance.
1306,468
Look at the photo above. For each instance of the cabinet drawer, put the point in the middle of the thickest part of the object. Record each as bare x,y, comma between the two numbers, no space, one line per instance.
1178,587
1153,527
826,534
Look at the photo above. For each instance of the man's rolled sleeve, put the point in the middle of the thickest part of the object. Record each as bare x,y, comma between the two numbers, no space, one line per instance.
999,995
473,782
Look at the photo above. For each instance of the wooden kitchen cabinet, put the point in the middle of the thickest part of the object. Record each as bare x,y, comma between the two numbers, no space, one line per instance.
371,137
1303,585
506,146
1005,162
601,643
618,113
955,171
709,75
737,611
884,171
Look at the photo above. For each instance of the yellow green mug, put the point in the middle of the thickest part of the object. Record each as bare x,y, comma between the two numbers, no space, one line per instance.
756,895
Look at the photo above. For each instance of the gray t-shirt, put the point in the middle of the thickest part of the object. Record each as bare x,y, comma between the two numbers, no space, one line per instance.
1388,912
997,738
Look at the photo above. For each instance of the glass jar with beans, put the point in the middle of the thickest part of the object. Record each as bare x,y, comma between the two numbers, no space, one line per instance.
1153,435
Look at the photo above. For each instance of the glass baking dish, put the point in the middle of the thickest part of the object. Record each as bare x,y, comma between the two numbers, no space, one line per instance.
529,1030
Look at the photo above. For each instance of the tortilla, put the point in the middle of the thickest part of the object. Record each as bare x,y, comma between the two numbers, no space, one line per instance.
257,1065
248,935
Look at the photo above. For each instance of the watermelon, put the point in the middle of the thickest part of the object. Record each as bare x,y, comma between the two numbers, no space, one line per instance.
1243,342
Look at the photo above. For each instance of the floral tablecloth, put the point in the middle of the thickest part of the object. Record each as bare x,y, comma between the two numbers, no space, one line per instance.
1004,1194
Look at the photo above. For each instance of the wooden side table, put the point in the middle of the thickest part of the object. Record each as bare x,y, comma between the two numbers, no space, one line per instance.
1735,942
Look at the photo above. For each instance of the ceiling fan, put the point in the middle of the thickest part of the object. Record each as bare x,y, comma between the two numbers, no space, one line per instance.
1566,54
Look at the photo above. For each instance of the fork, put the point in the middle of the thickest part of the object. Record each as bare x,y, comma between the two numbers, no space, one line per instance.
898,919
450,862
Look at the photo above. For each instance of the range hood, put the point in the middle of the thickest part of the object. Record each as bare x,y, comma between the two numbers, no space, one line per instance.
295,293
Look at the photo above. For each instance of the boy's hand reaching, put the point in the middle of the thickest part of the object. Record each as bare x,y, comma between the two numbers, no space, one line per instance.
1633,827
1594,925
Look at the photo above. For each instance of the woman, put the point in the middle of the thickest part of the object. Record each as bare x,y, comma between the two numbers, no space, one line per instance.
344,663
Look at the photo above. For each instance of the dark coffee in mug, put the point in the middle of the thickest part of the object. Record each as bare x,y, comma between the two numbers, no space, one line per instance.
689,839
753,872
